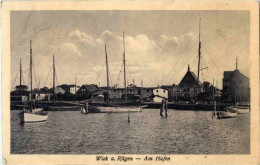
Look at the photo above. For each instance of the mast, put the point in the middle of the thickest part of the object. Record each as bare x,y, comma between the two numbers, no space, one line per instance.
124,66
107,75
214,101
142,89
53,80
20,88
199,55
75,88
236,84
236,63
38,90
31,98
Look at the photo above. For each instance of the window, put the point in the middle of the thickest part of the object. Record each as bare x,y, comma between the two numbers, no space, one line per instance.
157,90
147,90
163,91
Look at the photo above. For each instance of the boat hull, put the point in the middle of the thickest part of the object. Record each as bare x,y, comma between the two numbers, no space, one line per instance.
222,114
28,117
37,115
62,108
239,110
114,109
83,110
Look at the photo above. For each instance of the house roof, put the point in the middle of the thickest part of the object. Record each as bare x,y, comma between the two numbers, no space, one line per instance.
230,73
22,86
90,88
185,80
99,92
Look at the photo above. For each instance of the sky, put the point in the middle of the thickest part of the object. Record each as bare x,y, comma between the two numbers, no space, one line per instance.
159,46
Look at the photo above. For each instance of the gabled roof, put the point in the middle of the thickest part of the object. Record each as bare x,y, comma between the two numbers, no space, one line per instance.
189,79
90,88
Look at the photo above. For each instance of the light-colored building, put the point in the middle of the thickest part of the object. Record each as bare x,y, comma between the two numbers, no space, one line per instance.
69,89
118,93
160,94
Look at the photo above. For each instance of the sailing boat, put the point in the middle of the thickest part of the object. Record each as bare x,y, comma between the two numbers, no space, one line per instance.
32,114
240,109
110,108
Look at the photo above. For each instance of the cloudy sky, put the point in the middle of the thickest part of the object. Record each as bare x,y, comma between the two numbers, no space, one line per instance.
159,45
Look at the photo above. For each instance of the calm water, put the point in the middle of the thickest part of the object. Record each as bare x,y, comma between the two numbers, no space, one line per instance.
183,132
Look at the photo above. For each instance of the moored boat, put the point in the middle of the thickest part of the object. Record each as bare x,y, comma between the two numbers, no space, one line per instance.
30,117
239,109
226,114
32,114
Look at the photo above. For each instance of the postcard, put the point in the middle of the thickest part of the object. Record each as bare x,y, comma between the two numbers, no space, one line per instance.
130,82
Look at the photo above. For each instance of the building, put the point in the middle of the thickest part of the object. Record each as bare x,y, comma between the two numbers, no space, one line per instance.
235,85
41,95
99,96
69,89
147,92
21,88
188,88
160,94
119,93
85,91
20,93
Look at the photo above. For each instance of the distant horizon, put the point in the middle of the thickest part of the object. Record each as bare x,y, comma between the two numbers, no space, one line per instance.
159,45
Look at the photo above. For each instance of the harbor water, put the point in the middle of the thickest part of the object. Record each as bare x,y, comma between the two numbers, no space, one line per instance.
183,132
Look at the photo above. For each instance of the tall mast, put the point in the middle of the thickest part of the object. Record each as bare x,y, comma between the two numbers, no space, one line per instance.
20,76
236,63
236,84
53,80
141,89
31,74
107,74
75,88
199,55
124,66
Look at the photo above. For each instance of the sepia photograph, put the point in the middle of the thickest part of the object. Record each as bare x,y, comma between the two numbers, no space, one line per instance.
131,82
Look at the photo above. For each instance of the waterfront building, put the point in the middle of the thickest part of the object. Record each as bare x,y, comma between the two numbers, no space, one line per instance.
187,89
69,89
160,94
85,91
133,92
147,92
99,96
59,90
235,84
20,93
21,88
118,93
41,95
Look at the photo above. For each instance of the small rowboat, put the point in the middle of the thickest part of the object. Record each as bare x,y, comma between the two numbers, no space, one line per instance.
226,114
239,109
